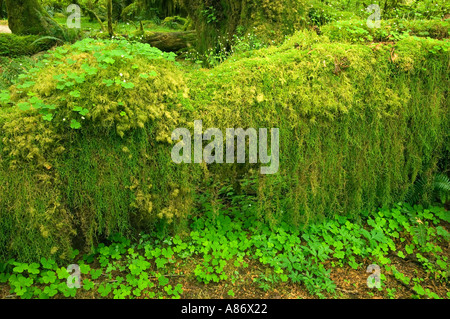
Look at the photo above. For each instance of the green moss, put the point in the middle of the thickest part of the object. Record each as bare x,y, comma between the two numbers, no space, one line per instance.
269,20
12,45
111,175
357,124
175,22
390,30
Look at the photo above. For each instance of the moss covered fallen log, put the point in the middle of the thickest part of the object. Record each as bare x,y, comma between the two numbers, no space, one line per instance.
358,125
170,41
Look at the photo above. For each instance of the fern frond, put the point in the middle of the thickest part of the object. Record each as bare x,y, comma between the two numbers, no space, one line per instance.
46,38
441,183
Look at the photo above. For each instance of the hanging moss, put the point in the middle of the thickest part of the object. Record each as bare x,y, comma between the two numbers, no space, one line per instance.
358,124
91,158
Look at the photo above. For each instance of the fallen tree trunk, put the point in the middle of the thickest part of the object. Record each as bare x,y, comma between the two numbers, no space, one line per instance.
170,41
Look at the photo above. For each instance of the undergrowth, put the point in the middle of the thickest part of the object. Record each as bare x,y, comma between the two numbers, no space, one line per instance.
228,240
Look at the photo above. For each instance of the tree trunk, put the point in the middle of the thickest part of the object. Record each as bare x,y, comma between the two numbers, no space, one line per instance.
109,10
28,17
2,9
170,41
267,19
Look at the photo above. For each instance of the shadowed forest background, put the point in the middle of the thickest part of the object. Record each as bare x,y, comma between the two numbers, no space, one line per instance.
86,176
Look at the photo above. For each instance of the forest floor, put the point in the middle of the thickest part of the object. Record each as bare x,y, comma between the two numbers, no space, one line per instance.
410,270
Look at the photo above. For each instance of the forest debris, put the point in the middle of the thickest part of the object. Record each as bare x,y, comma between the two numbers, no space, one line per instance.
340,65
394,55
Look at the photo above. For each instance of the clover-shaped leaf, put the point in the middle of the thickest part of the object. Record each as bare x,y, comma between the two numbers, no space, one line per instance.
95,273
75,93
75,124
87,284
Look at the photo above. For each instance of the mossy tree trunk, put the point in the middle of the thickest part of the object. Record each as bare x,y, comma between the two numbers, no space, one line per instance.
267,19
170,41
109,10
28,17
2,9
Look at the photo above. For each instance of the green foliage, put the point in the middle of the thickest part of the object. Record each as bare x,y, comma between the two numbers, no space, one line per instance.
269,20
429,190
225,48
62,136
222,244
330,123
12,68
357,31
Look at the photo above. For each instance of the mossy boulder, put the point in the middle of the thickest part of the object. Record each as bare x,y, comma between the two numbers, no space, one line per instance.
358,123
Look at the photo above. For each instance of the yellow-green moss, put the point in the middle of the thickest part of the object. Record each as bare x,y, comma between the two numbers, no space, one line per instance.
111,175
358,124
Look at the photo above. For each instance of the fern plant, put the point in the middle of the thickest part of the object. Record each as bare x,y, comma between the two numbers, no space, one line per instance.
441,186
438,187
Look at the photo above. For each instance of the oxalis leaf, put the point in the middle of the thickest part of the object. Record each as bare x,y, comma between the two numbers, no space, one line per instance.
75,93
127,85
75,124
48,117
163,280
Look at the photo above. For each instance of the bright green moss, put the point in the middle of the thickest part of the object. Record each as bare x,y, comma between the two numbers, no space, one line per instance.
357,124
390,30
269,20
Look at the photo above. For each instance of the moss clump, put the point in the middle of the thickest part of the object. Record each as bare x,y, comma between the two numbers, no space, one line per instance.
84,149
12,45
27,17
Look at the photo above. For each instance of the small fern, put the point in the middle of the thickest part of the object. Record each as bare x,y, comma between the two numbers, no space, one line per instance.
439,187
47,38
442,187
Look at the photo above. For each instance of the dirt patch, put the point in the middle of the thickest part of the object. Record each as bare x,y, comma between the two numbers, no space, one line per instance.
4,29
